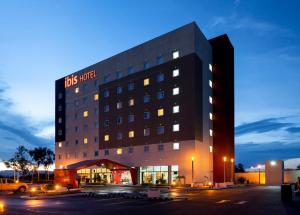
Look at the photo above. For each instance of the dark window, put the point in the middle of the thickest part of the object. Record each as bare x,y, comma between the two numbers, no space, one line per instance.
146,131
106,108
130,86
159,60
59,108
96,125
119,90
96,83
96,111
76,129
146,115
160,129
96,153
106,123
85,127
76,142
84,100
85,87
106,152
76,103
146,65
130,118
160,77
160,147
119,74
146,98
160,95
130,150
106,93
119,120
119,136
130,70
146,148
76,116
96,139
60,95
105,79
59,132
84,154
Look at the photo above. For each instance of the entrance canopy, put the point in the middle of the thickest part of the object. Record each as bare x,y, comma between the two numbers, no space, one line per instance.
111,165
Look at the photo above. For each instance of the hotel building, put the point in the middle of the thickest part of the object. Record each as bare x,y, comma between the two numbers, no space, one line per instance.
159,113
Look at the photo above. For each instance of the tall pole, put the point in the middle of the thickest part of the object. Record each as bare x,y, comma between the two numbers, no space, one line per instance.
259,167
224,159
192,170
232,170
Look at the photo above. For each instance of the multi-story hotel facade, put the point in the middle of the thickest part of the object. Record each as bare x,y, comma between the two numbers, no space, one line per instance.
159,113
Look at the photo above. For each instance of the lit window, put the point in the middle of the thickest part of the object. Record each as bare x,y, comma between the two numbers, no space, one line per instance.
146,82
146,131
175,127
210,67
119,151
106,137
146,98
160,129
160,112
175,146
119,105
85,113
210,149
131,102
175,91
131,134
77,90
60,144
210,116
210,100
96,97
85,140
210,132
176,109
175,54
210,83
119,90
175,72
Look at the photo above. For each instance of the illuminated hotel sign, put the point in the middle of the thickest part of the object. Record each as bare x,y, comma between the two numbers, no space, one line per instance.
72,80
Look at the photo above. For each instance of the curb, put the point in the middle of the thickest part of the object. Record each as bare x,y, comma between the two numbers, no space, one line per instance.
51,197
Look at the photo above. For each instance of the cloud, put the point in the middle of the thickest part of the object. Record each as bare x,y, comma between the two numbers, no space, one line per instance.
293,129
261,126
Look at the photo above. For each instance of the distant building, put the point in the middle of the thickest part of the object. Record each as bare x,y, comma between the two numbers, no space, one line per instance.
155,113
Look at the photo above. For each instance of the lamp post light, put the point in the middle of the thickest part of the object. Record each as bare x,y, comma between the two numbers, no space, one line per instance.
232,169
259,167
224,159
193,170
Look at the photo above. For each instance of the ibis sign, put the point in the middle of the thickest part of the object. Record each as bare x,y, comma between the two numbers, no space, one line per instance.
72,80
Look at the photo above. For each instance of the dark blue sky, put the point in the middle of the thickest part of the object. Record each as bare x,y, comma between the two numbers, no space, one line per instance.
41,41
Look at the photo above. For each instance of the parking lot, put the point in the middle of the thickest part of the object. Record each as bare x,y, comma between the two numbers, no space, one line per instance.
245,200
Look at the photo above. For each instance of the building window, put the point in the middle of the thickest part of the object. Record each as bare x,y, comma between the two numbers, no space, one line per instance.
84,100
210,100
146,81
130,118
119,120
146,65
176,146
175,127
106,152
119,90
130,150
160,112
146,132
76,142
175,54
175,72
106,137
175,91
119,136
77,90
59,132
96,139
131,134
106,93
160,129
131,102
119,105
76,129
210,67
130,70
146,115
146,148
210,83
106,123
84,154
176,109
96,97
210,149
160,77
130,86
59,144
96,124
106,108
210,116
160,147
85,140
119,74
60,95
210,132
85,113
160,95
119,151
76,116
59,108
146,98
96,153
105,79
96,83
96,110
159,60
76,103
59,120
85,127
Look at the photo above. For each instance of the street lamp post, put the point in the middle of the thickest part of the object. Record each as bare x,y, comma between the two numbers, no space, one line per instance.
224,159
259,167
232,169
192,170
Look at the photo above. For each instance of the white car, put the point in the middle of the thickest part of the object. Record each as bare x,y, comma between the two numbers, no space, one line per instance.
7,184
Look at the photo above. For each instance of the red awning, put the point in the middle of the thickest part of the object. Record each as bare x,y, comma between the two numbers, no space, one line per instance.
112,165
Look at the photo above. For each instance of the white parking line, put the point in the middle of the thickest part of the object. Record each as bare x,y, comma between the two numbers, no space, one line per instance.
223,201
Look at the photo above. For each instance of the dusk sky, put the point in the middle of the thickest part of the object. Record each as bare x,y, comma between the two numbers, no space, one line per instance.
41,41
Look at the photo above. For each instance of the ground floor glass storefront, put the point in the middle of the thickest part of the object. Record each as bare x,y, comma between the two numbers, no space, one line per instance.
158,174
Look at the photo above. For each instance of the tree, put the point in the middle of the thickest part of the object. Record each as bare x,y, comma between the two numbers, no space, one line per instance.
38,156
19,163
48,161
239,168
298,167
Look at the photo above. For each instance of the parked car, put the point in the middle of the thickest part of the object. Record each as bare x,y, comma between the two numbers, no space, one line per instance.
7,184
